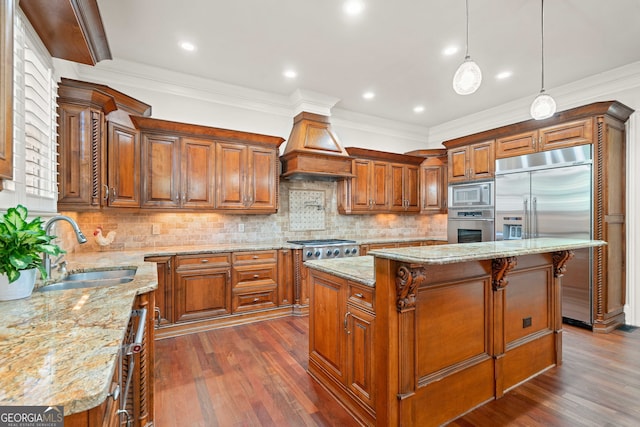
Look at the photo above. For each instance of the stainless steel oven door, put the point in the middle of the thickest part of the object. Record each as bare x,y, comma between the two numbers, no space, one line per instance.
470,230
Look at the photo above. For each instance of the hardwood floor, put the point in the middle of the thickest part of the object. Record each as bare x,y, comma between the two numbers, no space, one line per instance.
255,375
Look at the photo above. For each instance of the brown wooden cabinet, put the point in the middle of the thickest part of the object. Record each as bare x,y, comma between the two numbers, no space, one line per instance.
6,89
471,162
246,177
286,277
382,182
570,134
177,172
202,287
98,147
254,280
405,187
163,311
342,339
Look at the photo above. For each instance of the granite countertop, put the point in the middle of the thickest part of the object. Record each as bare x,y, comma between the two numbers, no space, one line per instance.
359,269
449,254
400,240
60,347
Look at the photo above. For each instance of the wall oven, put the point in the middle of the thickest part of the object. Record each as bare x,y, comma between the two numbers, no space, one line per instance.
470,225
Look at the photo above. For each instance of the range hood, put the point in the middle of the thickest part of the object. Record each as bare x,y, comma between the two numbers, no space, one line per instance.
313,150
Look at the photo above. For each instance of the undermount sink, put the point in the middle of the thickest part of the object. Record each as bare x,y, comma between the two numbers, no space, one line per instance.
92,279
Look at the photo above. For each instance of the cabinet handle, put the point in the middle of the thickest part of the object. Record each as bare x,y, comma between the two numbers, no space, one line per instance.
113,194
255,276
204,261
156,310
184,198
358,295
106,192
348,313
256,299
116,393
256,257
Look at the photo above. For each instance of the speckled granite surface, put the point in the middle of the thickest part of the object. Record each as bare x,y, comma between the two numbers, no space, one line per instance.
60,347
449,254
359,269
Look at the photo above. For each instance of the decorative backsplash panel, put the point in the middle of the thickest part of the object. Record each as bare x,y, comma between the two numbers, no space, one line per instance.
306,210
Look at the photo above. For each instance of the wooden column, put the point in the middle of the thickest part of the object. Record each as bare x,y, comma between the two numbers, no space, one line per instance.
499,269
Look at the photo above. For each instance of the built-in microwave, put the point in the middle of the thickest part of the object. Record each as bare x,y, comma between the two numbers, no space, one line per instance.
471,194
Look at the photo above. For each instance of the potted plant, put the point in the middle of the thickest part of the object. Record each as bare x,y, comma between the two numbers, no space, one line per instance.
22,244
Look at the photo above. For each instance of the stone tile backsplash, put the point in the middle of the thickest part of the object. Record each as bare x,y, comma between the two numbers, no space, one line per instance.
136,230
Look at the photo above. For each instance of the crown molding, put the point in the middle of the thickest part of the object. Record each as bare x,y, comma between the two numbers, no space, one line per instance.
599,87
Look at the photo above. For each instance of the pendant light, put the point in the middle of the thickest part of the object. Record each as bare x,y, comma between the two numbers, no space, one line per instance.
468,77
543,106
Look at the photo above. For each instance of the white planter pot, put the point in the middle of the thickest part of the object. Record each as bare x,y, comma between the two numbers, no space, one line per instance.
21,288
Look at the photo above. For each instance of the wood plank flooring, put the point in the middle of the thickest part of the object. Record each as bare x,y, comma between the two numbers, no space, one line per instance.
255,375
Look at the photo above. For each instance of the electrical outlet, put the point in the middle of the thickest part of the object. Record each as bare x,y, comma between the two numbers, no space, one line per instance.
241,228
155,228
526,322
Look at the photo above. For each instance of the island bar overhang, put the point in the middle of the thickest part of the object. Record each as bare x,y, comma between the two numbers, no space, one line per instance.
459,325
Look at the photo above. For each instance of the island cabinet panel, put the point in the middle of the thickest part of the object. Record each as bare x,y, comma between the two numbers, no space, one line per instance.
341,341
203,286
164,292
286,277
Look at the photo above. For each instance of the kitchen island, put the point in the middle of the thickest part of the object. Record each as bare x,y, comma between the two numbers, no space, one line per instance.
441,330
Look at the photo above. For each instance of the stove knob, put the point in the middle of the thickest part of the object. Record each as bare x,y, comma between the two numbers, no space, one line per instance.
318,253
328,252
309,253
336,252
354,251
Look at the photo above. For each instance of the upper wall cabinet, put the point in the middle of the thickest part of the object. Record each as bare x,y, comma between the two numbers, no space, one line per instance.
70,29
198,167
471,162
433,180
6,89
383,182
576,132
98,147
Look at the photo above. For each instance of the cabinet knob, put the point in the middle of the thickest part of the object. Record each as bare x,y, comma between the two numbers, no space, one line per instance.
256,299
204,261
358,295
256,257
255,276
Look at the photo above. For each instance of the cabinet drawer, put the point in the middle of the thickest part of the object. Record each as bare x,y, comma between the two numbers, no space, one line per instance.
264,274
361,296
255,257
199,261
254,299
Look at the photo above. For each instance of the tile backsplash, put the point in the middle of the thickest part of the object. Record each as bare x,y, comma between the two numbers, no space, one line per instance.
137,230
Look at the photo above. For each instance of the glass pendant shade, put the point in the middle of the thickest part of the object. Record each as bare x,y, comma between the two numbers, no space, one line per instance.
467,78
543,106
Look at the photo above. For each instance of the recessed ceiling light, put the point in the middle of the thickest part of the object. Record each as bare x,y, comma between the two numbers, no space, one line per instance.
188,46
368,95
353,7
290,74
418,109
503,75
448,51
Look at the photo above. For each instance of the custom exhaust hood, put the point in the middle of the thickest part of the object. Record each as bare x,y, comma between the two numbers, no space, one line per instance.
313,150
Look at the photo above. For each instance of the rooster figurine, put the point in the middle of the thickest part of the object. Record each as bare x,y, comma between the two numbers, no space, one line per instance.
102,240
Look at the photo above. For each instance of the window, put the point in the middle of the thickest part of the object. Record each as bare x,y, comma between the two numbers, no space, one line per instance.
34,123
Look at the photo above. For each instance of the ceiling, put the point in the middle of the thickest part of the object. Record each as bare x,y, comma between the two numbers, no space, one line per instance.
394,48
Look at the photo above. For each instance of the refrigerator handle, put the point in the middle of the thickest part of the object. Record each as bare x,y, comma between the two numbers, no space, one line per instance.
534,207
525,214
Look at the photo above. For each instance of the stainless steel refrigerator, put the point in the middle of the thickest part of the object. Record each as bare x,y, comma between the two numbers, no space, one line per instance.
549,194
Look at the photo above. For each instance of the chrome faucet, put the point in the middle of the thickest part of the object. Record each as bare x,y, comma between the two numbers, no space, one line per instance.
47,228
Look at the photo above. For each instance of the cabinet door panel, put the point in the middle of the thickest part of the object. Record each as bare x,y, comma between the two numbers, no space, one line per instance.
124,166
198,171
379,192
570,134
397,187
482,160
160,171
412,188
360,185
360,355
262,183
458,164
230,172
202,294
434,189
516,145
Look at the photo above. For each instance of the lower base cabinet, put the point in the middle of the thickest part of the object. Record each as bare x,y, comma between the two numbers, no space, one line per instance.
341,341
139,402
